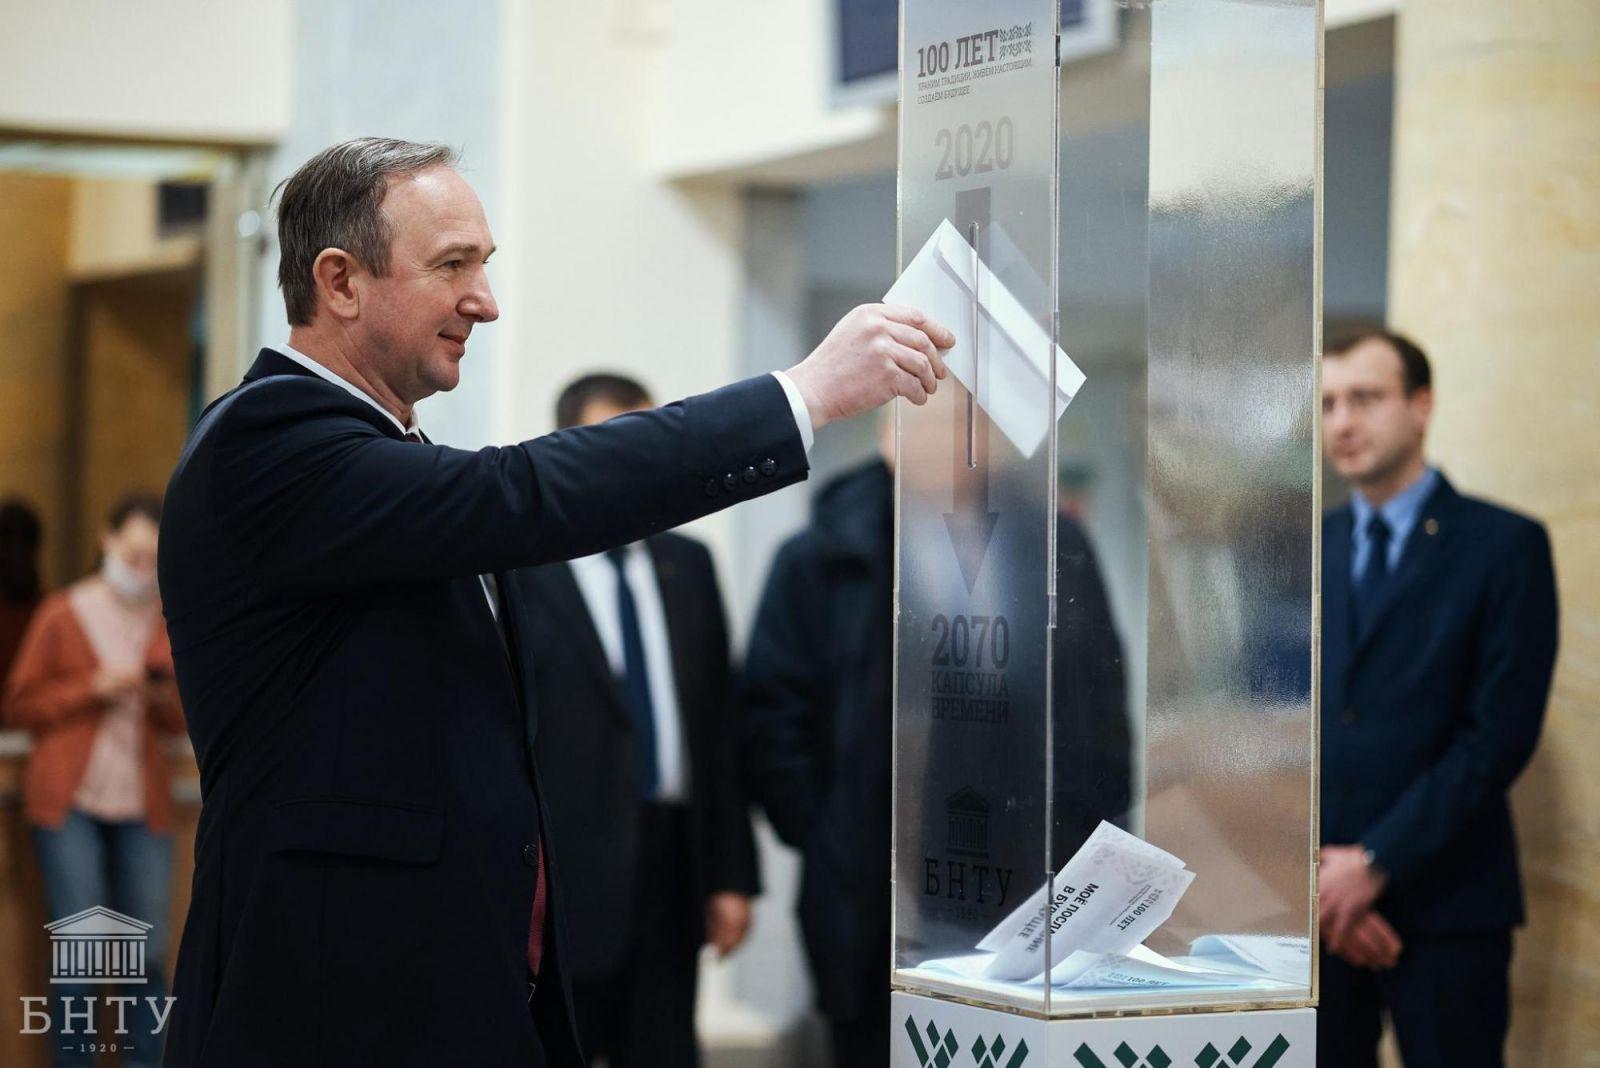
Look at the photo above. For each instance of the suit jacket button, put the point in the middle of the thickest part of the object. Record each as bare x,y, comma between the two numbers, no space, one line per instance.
769,467
730,480
749,476
530,856
711,487
1348,716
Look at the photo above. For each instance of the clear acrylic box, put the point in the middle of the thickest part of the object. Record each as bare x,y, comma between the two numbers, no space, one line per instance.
1119,622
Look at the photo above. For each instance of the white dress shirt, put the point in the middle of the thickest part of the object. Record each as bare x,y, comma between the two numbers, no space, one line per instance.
597,581
355,391
802,414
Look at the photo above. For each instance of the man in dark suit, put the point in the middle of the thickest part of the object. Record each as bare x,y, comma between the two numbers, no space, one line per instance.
816,694
1438,643
374,878
639,762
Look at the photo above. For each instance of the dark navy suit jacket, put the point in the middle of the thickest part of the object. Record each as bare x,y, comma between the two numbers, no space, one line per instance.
366,856
1431,712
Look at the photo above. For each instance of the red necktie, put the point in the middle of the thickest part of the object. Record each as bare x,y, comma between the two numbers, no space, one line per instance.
536,921
536,925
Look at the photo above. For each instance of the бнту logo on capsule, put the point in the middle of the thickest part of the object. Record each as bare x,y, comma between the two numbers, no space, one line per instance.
967,823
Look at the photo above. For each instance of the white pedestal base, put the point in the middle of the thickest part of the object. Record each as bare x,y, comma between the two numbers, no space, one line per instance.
952,1035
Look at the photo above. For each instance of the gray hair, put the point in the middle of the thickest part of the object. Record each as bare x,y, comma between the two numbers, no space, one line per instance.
335,200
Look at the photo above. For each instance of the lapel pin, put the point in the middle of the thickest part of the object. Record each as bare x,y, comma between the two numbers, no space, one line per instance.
1431,526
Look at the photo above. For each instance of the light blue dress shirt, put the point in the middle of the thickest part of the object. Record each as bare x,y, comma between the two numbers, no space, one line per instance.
1401,512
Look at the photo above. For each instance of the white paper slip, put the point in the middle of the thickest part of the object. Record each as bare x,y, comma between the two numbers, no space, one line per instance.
1104,834
967,966
1108,898
1143,968
1282,957
1010,379
1158,890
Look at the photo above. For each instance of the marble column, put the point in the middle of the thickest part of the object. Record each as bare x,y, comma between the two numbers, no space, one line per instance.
1495,270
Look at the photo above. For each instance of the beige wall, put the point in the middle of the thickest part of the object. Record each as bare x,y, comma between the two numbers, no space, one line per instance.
741,88
137,380
602,264
34,222
119,346
115,231
1494,264
176,69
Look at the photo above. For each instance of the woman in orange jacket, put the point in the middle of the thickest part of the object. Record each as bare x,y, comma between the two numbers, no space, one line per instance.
93,682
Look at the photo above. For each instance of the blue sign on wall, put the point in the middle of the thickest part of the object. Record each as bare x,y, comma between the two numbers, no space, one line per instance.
868,39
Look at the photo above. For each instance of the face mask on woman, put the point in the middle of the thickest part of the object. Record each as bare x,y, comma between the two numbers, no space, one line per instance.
125,582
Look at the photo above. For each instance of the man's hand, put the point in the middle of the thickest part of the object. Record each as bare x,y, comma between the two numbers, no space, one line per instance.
876,353
1347,887
1370,943
727,921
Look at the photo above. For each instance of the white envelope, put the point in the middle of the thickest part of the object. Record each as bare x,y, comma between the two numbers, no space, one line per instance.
944,280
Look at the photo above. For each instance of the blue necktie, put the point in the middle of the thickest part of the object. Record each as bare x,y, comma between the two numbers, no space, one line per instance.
1375,576
636,682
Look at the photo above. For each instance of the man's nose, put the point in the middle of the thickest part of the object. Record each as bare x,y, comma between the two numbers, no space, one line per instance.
479,303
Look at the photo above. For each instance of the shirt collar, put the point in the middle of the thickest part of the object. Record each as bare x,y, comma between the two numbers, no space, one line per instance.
324,373
1401,510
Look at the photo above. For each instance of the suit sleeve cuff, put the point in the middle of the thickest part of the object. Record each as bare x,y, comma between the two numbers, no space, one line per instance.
797,404
1393,862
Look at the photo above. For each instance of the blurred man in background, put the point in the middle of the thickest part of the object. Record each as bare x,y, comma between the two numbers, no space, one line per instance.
816,697
639,757
1438,643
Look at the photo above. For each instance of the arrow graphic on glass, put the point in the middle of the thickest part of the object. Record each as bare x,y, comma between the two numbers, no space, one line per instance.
972,524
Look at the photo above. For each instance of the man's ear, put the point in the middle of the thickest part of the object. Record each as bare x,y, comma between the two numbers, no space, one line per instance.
1421,401
334,273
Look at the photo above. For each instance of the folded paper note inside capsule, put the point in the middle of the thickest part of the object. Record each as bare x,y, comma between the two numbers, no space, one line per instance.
1114,892
1105,834
1141,968
1007,366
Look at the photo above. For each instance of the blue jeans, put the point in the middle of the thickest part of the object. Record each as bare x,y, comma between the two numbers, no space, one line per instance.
125,867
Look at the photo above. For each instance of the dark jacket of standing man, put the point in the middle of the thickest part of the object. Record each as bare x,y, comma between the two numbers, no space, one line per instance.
374,878
639,762
816,692
1438,643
